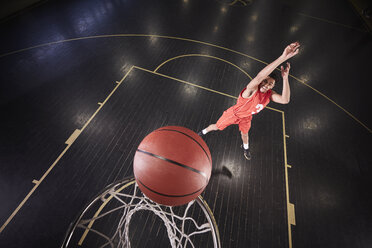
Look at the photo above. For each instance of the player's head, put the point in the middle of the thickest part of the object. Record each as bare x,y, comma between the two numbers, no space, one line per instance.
269,82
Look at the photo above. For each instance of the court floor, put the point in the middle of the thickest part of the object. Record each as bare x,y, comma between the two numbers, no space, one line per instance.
83,82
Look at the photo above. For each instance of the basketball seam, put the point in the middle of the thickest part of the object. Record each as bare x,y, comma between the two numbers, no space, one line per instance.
166,194
190,138
174,162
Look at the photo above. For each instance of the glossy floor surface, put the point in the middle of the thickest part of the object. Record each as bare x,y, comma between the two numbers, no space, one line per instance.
83,82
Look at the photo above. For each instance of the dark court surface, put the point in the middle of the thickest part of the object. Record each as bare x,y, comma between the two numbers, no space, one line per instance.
116,70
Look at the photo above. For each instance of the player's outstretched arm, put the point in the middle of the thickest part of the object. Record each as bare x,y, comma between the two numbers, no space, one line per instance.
286,93
290,51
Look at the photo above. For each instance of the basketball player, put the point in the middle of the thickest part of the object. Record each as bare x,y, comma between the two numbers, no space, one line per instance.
255,97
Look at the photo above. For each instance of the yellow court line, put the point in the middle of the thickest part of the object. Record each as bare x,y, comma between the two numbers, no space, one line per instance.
290,206
292,217
244,3
176,38
203,55
277,110
69,143
233,2
73,137
332,22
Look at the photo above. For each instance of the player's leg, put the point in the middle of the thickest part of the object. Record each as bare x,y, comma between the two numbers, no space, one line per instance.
245,146
211,127
245,139
225,120
244,126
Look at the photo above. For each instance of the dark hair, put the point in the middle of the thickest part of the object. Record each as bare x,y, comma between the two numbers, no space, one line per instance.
275,76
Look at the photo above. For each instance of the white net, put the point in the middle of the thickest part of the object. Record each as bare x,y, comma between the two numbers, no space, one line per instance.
124,217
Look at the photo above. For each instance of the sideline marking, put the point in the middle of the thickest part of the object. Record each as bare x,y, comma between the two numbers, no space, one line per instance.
292,217
177,38
69,142
290,206
73,137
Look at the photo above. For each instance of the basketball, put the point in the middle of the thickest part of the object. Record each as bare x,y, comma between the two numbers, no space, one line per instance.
172,165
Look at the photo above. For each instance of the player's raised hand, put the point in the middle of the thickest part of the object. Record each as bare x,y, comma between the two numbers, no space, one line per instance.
291,50
285,71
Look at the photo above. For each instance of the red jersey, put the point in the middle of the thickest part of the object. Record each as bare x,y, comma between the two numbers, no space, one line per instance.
246,107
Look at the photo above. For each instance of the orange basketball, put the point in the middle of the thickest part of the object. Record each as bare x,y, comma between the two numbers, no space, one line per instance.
172,165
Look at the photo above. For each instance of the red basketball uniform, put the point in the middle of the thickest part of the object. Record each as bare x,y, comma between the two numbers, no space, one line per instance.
241,113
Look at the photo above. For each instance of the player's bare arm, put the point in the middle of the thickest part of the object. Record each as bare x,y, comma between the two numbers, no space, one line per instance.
286,93
290,51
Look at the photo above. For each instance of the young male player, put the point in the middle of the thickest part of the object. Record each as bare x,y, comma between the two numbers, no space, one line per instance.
255,97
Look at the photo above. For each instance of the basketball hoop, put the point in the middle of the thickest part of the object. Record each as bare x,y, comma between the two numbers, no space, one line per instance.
122,216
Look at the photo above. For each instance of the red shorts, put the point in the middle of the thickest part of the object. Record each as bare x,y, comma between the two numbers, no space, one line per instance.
228,118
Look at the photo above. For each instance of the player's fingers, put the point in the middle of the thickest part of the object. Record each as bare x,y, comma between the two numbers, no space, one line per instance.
281,68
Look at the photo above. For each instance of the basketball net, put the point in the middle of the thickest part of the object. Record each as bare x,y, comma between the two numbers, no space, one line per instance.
181,227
